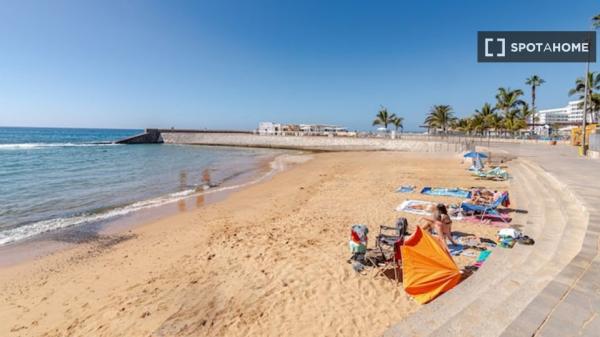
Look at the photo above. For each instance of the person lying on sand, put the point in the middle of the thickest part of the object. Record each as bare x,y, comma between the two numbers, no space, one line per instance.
482,196
440,222
424,207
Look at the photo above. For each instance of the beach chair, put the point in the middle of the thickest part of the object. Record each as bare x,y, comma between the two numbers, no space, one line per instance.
388,242
491,209
494,174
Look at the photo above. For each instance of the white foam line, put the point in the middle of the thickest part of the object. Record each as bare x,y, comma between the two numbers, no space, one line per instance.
33,146
28,231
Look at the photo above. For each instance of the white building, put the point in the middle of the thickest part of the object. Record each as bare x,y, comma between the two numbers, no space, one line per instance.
270,128
566,117
575,111
320,128
551,116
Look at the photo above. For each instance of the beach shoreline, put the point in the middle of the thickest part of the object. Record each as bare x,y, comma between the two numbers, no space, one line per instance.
46,243
269,259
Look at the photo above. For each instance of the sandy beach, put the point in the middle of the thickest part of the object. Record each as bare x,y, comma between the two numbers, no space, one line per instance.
268,260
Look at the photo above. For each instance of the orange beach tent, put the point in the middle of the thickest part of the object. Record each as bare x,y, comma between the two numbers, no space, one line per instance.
427,268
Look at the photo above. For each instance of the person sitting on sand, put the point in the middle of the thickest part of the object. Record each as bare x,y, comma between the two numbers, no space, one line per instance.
440,222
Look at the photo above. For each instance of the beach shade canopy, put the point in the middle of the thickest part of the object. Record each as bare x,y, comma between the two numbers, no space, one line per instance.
427,268
474,154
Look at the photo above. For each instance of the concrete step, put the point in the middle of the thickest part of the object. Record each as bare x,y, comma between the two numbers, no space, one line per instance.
501,304
510,279
537,271
493,308
450,304
533,315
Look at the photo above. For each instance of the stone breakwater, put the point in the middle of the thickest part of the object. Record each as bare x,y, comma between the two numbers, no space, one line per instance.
312,143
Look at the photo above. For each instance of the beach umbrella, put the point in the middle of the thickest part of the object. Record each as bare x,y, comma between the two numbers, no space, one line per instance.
474,154
427,268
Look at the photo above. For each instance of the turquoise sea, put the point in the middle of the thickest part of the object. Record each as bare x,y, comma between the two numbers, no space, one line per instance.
54,178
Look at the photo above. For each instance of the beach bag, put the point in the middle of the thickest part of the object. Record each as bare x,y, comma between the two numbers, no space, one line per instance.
510,232
506,201
358,239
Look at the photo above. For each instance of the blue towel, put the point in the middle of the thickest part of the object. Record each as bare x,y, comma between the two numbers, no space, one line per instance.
447,192
455,250
405,189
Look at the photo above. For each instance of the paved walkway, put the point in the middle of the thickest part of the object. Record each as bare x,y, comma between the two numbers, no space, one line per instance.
570,304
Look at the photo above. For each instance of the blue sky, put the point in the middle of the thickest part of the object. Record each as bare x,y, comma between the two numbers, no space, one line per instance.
231,64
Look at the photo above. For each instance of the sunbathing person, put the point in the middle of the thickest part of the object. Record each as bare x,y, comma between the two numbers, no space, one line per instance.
440,222
482,196
424,207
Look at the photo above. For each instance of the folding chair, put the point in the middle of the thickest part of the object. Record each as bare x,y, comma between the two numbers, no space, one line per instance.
388,242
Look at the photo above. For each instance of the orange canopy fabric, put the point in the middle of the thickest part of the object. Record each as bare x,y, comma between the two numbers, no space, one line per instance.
427,268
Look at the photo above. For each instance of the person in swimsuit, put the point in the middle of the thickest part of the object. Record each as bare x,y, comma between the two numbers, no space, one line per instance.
440,222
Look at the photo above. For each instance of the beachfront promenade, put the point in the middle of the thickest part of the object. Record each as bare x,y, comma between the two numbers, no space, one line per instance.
570,304
549,289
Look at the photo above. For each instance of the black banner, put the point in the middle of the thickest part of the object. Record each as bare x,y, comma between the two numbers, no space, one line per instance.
536,46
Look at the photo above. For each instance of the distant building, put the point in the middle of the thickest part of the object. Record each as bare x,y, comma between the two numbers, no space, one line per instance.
565,117
270,128
320,128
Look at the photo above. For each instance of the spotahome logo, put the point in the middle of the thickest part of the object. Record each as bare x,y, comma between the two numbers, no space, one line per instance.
536,46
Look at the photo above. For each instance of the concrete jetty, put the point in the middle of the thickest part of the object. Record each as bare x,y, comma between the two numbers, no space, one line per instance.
294,142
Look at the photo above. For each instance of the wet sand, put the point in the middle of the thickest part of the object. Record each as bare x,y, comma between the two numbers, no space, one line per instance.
267,260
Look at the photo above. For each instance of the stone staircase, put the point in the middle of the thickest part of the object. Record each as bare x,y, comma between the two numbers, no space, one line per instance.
487,302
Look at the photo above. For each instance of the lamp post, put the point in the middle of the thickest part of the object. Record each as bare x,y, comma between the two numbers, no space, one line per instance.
585,100
585,103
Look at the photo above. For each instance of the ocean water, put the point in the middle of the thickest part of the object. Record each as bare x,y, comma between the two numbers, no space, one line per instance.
54,178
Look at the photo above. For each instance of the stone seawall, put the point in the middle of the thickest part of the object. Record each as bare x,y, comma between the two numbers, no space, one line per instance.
149,136
313,143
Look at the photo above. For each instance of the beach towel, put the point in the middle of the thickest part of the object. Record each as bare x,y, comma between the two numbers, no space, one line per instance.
469,253
489,219
447,192
405,189
455,250
482,257
417,207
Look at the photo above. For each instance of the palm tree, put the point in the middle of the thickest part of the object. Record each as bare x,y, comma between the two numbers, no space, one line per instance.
495,122
486,114
593,79
383,117
477,124
595,102
526,113
534,81
509,100
514,121
440,116
397,122
461,124
596,21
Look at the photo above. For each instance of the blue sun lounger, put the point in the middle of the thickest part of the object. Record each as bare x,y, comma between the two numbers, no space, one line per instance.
491,209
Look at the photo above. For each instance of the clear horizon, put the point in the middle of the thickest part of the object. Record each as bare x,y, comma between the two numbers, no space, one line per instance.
233,64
